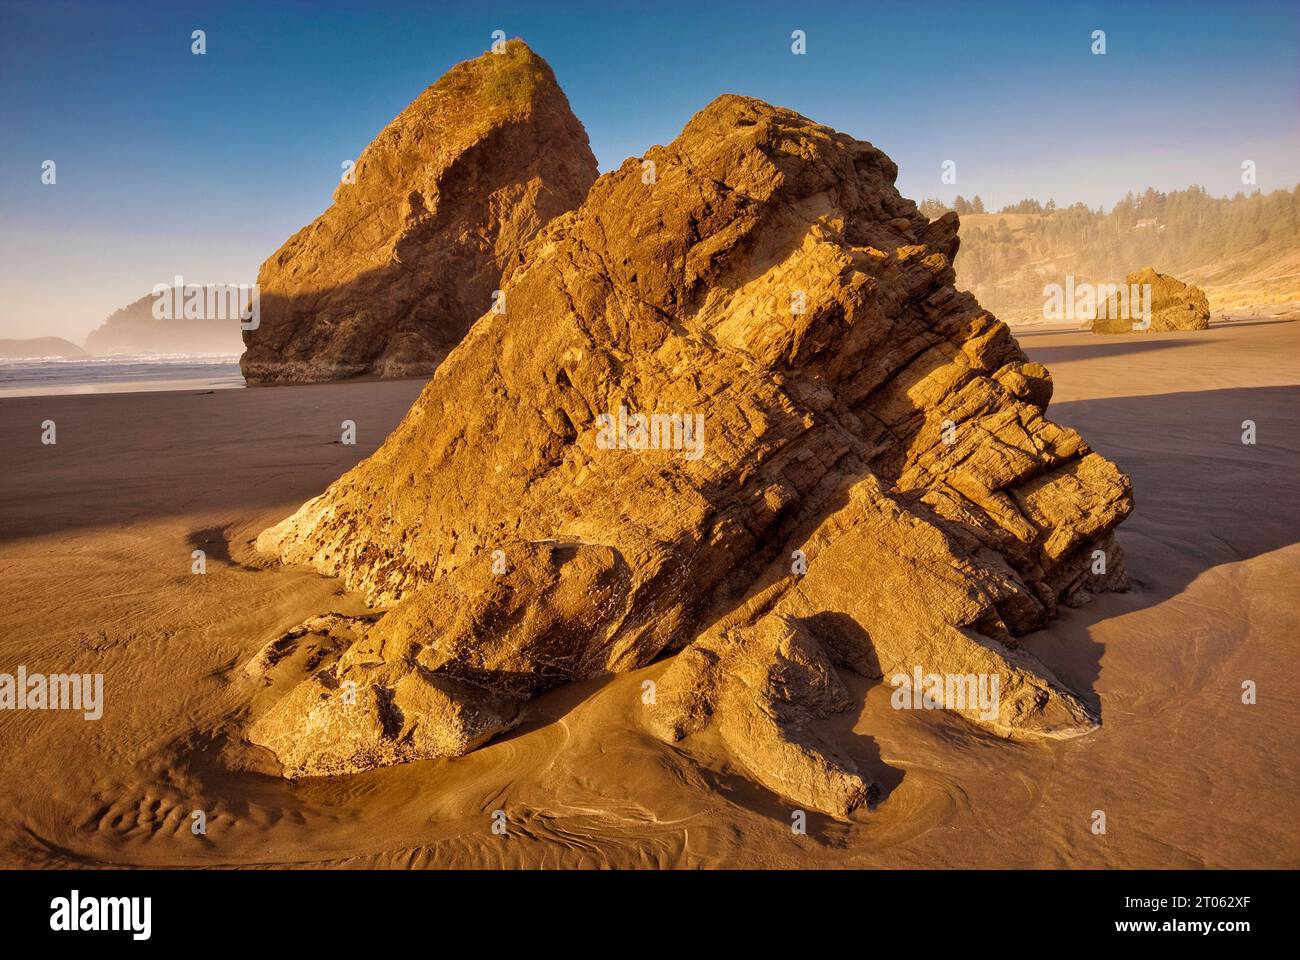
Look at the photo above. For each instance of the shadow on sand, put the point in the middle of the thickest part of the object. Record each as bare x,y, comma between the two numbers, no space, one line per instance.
1202,498
1116,346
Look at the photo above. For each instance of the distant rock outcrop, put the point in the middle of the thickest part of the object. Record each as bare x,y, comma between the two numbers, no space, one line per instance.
40,347
441,204
734,405
135,330
1174,306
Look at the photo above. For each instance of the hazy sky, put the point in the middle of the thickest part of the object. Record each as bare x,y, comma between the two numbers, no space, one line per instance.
170,163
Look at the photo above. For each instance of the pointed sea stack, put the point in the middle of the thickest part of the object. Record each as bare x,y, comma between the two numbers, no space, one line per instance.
439,206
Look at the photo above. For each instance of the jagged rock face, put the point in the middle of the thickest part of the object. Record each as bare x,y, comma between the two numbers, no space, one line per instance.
1174,306
393,274
872,486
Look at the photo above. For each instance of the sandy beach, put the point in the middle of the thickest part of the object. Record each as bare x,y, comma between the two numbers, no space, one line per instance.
99,528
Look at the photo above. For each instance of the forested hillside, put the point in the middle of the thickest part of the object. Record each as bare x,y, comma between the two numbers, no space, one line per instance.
1240,250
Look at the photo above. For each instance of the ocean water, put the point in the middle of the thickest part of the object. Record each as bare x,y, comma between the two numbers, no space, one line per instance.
43,376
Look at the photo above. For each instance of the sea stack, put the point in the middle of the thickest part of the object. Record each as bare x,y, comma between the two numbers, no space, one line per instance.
736,407
1172,304
423,228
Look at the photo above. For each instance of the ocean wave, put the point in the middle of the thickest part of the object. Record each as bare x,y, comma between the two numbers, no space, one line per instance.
96,374
189,359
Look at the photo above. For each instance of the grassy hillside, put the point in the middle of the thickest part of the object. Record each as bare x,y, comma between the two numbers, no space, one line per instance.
1242,250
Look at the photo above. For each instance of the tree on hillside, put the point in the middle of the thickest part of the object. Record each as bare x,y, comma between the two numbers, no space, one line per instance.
1177,231
932,208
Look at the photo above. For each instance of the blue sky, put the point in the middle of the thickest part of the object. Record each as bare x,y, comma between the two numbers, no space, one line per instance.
170,163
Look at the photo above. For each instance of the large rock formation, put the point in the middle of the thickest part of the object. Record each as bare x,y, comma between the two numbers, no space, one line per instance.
390,277
1173,305
140,329
844,464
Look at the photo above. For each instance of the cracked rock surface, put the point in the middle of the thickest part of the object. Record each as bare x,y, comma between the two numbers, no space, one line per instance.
877,488
1174,306
437,208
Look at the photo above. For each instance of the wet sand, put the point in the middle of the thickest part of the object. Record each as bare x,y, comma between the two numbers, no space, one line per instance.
96,535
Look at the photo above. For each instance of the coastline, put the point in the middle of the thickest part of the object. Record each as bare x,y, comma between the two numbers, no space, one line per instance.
100,528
